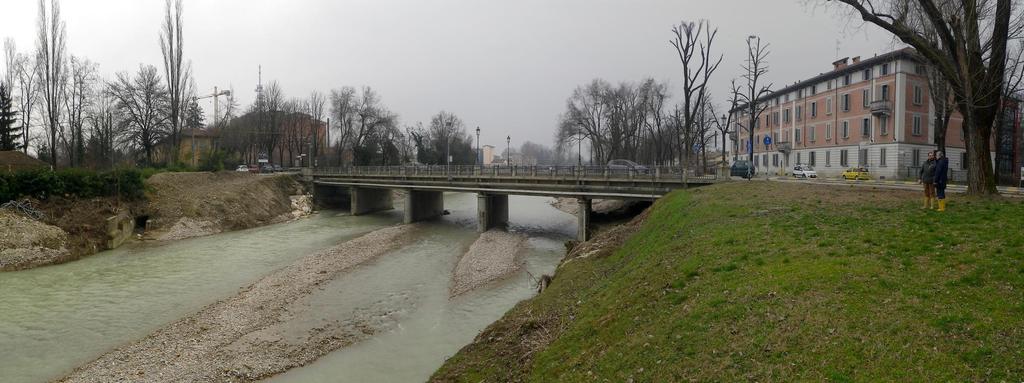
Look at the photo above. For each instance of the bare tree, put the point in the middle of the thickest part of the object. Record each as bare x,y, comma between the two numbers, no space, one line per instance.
343,108
28,83
693,43
965,40
143,102
756,67
10,61
50,50
176,72
315,107
77,93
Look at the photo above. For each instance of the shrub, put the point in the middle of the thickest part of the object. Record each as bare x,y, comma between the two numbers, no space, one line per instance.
79,183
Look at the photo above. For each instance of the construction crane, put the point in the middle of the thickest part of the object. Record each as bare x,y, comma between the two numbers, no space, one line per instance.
216,114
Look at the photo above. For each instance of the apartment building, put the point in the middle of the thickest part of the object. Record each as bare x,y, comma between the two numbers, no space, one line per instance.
874,113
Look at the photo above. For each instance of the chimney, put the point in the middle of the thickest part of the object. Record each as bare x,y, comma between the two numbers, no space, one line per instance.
856,59
840,64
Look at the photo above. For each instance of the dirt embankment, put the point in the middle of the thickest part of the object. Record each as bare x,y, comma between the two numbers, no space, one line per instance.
27,243
252,335
607,207
493,256
184,205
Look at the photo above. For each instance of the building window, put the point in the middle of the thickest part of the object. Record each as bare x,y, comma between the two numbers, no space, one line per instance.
862,157
920,69
799,94
917,126
799,137
867,74
798,158
881,157
810,160
828,85
814,90
787,97
828,131
785,116
916,158
885,93
883,125
814,109
846,80
885,69
846,130
846,102
828,158
865,127
866,95
775,160
828,105
764,159
775,137
844,158
799,113
918,95
811,132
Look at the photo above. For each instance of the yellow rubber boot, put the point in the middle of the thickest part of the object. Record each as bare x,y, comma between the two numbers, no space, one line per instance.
933,203
942,205
927,203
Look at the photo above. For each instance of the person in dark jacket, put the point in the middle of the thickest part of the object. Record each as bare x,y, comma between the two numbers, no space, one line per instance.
941,177
926,177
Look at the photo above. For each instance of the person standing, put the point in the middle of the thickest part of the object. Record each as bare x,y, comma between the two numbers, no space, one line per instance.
941,178
926,177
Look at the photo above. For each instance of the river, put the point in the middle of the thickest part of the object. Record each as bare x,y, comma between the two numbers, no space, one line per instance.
55,318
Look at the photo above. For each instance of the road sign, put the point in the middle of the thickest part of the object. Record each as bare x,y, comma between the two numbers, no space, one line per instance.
767,140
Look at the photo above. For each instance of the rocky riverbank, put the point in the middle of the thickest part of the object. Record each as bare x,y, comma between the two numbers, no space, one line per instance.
254,334
27,243
493,256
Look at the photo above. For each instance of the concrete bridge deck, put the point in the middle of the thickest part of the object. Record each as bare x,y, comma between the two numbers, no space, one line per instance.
425,185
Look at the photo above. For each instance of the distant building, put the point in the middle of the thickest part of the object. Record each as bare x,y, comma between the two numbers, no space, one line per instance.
487,154
875,113
12,161
206,141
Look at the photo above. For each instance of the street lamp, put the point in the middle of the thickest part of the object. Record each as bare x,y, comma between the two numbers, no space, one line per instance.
579,148
447,147
479,156
508,151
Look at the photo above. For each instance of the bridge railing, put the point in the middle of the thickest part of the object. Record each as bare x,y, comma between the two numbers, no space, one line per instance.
652,173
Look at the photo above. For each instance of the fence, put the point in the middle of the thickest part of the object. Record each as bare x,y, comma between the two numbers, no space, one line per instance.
528,171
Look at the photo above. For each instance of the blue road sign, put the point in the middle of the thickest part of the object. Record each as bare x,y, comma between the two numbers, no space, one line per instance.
767,140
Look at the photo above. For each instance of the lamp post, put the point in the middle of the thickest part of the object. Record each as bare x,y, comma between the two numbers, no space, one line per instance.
508,151
479,155
579,148
447,147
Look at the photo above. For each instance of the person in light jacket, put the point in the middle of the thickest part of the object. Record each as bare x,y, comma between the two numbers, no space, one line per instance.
926,177
941,178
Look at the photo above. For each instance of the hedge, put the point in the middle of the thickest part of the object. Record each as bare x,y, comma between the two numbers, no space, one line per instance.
41,184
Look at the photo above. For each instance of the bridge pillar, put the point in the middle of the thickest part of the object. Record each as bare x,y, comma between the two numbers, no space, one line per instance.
491,211
366,201
423,205
583,211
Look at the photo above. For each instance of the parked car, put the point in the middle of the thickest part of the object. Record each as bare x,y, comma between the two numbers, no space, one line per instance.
266,168
278,168
858,173
627,165
742,168
254,169
804,171
242,168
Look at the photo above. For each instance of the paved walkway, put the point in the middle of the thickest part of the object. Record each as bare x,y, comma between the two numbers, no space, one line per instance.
888,184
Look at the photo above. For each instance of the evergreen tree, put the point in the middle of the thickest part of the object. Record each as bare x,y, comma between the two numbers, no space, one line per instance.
9,134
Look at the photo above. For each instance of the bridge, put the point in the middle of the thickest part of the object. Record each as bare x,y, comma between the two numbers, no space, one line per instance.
360,187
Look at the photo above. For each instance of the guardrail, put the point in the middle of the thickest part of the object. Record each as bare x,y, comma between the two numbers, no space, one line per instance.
526,171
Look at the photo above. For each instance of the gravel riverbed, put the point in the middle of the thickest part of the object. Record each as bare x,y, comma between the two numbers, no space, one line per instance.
493,256
251,335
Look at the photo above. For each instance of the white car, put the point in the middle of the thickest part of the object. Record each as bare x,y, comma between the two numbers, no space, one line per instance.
804,171
242,168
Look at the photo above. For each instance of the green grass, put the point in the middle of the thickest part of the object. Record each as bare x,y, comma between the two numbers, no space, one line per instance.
778,282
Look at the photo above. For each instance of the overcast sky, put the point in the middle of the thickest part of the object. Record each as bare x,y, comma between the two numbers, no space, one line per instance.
505,66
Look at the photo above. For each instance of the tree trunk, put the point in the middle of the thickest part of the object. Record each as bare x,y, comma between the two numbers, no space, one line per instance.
980,177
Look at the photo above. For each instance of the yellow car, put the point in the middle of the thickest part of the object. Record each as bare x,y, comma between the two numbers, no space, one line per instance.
860,173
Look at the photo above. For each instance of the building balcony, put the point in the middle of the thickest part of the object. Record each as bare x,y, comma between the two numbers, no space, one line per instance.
881,108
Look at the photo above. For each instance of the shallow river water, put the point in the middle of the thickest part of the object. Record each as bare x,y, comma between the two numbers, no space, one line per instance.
55,318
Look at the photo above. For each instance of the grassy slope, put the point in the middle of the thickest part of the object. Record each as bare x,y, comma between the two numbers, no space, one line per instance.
778,282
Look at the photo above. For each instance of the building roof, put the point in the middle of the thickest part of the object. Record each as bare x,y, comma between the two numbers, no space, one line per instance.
15,160
905,53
